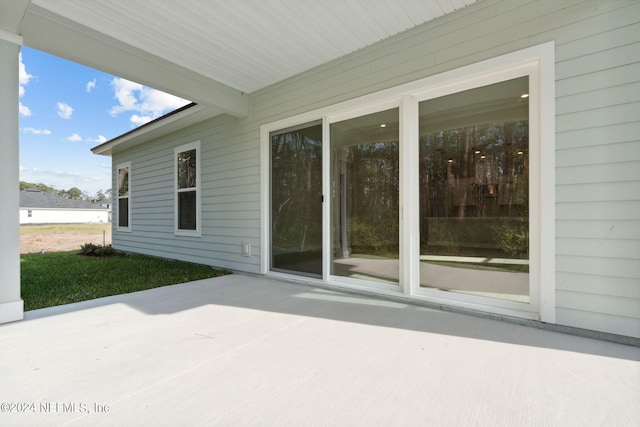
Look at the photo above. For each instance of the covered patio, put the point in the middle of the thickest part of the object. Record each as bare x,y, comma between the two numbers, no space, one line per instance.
246,350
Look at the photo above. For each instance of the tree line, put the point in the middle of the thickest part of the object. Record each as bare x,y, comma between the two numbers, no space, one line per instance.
72,193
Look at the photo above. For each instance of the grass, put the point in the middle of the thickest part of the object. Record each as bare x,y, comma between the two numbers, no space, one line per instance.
65,228
65,277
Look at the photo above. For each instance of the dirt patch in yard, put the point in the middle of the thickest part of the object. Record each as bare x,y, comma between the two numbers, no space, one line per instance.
64,237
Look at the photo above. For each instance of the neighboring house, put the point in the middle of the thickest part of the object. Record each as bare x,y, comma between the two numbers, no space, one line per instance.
106,203
486,160
39,207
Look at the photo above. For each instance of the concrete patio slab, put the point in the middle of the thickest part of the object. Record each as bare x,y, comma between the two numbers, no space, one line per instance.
251,351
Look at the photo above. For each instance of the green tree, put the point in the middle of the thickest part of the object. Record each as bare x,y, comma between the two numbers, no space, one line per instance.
100,196
73,193
40,186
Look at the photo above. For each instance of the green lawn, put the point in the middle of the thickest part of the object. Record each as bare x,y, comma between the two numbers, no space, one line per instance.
65,228
64,277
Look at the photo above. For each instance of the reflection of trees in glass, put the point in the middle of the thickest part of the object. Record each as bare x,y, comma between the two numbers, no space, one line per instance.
187,169
476,172
123,182
296,190
372,194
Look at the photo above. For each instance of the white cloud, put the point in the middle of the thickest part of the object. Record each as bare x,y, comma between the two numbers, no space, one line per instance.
124,91
140,120
64,110
100,139
74,138
24,77
35,131
147,103
24,110
91,85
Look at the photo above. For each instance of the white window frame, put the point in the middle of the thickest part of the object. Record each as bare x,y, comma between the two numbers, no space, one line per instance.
177,150
118,227
538,63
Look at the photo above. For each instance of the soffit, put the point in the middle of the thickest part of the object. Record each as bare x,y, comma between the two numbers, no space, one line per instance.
246,45
12,14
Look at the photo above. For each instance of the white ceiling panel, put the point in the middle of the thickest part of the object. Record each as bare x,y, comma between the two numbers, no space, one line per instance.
248,44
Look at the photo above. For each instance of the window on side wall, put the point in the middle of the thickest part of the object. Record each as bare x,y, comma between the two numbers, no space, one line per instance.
124,192
187,189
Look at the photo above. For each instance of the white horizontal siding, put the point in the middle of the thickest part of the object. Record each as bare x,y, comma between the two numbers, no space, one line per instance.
597,321
598,285
602,248
228,173
611,152
604,192
601,98
586,83
598,229
600,210
599,266
609,305
597,145
597,117
598,172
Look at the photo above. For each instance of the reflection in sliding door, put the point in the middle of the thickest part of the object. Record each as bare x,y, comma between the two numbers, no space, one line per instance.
365,197
296,200
474,191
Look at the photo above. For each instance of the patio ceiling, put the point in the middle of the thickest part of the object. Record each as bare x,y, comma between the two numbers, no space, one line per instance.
212,52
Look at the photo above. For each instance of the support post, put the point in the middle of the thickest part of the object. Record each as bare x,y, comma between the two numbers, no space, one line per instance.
11,305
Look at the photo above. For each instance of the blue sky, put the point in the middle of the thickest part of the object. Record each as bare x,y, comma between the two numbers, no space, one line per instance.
66,109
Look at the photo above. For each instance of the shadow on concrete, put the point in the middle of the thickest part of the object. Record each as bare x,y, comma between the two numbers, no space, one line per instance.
268,294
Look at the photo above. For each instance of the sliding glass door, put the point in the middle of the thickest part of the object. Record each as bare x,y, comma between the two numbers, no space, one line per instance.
474,191
365,191
440,190
296,200
472,182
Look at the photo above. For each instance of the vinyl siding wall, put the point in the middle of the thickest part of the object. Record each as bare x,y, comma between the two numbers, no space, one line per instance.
597,145
229,191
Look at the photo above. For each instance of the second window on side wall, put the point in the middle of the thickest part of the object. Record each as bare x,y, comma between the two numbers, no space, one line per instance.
187,186
124,207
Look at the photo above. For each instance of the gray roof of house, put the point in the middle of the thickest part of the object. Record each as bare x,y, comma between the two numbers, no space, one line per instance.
31,198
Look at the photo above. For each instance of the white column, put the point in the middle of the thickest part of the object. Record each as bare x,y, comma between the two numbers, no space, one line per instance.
409,196
11,305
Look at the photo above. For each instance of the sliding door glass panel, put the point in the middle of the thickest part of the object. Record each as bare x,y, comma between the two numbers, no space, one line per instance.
474,191
365,197
296,200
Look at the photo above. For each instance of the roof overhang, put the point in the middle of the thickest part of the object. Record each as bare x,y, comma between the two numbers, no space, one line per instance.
213,53
44,30
186,116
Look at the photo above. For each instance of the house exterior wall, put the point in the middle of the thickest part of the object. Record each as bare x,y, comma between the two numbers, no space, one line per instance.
597,146
230,197
62,216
